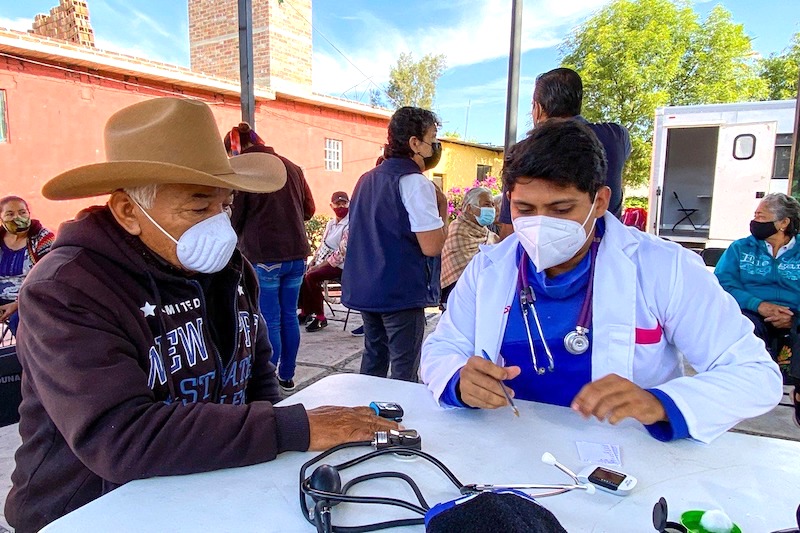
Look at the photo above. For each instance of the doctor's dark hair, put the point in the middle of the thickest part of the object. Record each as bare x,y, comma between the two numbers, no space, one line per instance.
784,206
561,151
408,122
559,92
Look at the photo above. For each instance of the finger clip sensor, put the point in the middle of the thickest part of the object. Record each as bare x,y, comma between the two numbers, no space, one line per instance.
404,438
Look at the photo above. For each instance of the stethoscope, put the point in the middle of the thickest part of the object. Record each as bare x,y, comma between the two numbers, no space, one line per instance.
325,488
576,341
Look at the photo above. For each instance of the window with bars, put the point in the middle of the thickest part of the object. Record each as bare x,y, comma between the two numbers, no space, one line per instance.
333,155
3,118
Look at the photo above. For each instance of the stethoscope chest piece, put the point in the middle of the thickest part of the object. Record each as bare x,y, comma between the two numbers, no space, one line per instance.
577,342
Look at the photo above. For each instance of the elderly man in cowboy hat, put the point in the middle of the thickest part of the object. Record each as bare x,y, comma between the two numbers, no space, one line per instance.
143,350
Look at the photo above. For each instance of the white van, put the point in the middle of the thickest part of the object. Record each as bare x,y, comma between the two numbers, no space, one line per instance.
711,165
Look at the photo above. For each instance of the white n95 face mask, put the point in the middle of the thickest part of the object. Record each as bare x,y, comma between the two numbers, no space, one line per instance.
551,241
205,247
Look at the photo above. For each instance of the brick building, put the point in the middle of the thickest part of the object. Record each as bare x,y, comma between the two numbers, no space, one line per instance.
55,97
68,21
281,41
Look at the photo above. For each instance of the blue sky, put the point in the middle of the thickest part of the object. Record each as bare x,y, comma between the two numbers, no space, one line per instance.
473,34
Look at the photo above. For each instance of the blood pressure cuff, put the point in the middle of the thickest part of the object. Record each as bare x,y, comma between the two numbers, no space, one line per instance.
510,511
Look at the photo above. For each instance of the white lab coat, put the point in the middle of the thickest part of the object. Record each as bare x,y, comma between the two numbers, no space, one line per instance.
641,282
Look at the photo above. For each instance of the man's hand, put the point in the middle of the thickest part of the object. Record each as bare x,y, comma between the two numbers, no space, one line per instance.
479,383
614,398
7,310
330,426
777,315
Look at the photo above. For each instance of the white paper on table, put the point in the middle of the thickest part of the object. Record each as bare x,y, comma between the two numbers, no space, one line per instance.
599,454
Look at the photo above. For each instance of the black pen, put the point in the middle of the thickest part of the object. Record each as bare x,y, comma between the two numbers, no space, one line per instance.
505,391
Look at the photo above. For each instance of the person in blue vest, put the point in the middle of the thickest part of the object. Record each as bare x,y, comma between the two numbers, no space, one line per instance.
559,94
397,232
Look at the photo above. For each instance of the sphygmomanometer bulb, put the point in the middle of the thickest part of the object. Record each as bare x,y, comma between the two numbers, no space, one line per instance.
326,479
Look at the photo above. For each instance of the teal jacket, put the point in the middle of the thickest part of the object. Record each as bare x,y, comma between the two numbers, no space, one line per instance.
750,274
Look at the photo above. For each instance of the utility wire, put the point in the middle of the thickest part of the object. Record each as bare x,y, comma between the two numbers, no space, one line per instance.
366,78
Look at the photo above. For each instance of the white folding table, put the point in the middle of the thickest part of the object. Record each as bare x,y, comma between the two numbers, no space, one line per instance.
756,480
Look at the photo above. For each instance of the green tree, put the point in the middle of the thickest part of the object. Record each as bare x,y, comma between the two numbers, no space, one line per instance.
637,55
413,83
719,65
780,71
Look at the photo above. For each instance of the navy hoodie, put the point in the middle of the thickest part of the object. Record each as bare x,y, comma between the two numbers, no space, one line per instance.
122,377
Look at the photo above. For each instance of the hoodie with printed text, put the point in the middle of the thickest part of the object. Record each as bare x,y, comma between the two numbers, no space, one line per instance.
132,369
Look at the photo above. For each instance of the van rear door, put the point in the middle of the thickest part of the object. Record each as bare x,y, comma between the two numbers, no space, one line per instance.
742,177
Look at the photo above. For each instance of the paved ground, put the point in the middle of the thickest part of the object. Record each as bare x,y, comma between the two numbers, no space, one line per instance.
333,350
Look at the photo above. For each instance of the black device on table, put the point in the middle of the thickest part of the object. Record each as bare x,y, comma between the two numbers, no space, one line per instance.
390,410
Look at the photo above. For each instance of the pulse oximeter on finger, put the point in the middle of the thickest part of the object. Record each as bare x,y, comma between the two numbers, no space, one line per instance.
389,410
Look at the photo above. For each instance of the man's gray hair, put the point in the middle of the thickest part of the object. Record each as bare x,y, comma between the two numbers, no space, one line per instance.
145,195
472,195
784,206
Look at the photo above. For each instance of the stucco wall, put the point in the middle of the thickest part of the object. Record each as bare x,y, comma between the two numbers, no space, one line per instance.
56,119
459,164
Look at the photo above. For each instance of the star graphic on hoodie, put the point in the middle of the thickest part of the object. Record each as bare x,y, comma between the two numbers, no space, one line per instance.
148,309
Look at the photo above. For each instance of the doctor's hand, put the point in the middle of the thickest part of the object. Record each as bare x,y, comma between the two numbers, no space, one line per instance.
614,398
331,425
479,384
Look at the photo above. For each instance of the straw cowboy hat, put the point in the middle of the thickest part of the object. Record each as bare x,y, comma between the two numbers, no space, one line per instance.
167,141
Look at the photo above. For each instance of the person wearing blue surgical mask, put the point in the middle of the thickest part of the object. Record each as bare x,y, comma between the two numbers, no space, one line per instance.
575,309
465,235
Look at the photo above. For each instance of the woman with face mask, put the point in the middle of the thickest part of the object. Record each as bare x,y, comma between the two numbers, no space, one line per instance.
762,272
24,242
575,309
465,234
397,231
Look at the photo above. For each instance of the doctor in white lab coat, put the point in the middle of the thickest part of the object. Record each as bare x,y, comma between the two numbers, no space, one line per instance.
652,301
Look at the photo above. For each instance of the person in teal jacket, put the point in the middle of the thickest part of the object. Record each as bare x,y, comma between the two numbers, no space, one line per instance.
762,272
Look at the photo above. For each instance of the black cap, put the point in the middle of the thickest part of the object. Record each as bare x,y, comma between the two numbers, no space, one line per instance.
340,195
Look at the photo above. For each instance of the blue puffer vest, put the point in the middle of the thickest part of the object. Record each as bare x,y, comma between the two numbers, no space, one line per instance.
386,270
